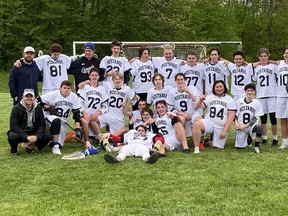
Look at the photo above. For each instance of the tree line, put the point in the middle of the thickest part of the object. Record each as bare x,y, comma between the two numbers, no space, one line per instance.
257,23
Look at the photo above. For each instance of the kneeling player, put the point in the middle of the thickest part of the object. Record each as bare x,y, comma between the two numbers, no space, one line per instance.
248,111
139,144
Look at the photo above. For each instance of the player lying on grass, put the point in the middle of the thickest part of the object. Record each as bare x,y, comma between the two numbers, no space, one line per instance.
247,114
218,118
139,144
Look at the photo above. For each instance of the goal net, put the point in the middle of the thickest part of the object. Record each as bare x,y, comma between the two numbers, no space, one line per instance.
130,49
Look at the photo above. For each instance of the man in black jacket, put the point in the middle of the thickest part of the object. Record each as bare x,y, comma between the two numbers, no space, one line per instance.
27,124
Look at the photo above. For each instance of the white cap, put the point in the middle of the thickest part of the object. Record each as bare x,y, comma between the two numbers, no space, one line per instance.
29,49
29,91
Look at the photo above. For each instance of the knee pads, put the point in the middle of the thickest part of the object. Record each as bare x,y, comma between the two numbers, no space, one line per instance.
55,126
257,129
264,119
273,119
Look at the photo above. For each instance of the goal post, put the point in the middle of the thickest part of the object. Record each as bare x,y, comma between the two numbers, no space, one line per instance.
130,49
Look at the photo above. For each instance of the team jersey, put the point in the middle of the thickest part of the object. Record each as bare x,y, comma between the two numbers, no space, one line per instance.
215,72
119,64
194,76
265,76
164,125
181,101
247,111
63,105
92,98
116,97
133,138
217,109
154,95
241,76
142,73
168,69
54,71
282,79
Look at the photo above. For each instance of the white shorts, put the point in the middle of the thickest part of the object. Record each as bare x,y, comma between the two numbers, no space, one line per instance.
138,150
282,107
114,123
268,104
237,97
210,129
172,142
241,136
49,118
188,125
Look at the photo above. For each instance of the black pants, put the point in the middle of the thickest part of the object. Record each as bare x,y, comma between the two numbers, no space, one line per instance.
14,139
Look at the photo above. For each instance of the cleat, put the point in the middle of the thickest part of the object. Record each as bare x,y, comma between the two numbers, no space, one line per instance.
264,141
257,150
274,142
283,146
186,151
153,158
69,136
196,151
110,159
56,150
107,146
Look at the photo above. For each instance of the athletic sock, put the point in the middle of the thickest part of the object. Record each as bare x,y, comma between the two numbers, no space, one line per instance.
257,144
264,137
275,137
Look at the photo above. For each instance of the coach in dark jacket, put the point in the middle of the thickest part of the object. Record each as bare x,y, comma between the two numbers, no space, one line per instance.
27,124
24,77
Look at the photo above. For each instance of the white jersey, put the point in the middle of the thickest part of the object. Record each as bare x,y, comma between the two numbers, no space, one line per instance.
154,95
282,79
54,71
217,109
142,73
116,98
241,76
164,125
92,98
119,64
63,105
215,72
182,101
194,76
133,138
265,76
247,111
168,69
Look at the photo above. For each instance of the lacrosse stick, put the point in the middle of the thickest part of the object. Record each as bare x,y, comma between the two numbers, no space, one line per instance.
81,154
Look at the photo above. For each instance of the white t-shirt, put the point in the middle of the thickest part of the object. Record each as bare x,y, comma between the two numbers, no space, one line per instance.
247,111
54,71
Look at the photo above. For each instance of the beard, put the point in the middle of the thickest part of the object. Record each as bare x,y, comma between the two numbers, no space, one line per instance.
28,60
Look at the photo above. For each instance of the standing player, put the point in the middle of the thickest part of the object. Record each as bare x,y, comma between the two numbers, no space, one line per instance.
181,99
171,129
117,94
265,76
247,114
282,97
81,67
241,75
194,72
215,70
142,72
218,118
167,65
93,99
58,105
115,63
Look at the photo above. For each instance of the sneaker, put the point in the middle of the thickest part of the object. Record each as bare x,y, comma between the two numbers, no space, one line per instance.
186,151
196,151
274,142
264,141
87,144
69,136
283,146
257,150
110,158
56,150
107,146
153,158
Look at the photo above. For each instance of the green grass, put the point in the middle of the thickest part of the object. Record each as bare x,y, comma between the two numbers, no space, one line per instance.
228,182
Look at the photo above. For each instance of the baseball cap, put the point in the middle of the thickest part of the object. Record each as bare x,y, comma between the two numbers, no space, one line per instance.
29,91
89,45
29,49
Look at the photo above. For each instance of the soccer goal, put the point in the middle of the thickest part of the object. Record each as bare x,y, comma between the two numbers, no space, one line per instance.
130,49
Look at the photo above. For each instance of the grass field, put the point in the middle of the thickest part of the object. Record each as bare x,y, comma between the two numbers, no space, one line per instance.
228,182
